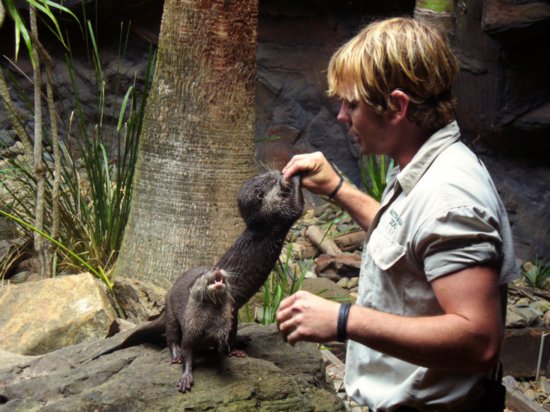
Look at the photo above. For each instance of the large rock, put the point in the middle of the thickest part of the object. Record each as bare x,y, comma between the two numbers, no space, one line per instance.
33,320
275,377
138,299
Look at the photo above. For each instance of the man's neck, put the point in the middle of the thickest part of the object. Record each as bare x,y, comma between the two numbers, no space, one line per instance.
411,140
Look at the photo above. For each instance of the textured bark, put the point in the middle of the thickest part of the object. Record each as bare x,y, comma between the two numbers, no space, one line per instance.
197,142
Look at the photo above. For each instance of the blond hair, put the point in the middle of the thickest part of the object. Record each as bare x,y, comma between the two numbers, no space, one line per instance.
397,53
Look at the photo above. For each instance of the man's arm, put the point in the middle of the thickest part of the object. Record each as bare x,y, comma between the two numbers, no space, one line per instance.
319,177
467,336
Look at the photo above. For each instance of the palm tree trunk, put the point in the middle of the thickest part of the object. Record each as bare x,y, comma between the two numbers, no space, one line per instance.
197,143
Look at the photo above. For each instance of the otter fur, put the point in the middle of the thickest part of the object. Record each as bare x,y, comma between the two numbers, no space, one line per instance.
269,206
199,312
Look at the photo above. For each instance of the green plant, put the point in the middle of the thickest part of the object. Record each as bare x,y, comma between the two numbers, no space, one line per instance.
96,187
535,274
374,171
40,59
21,30
284,280
98,273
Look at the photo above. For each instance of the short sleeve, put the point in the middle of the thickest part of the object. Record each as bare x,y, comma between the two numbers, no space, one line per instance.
456,239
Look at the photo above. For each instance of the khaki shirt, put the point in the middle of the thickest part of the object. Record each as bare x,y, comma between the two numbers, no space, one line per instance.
440,214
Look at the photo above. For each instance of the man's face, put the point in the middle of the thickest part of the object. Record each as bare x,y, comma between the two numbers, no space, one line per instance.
366,127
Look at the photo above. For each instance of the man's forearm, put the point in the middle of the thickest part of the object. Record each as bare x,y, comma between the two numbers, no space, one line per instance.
361,207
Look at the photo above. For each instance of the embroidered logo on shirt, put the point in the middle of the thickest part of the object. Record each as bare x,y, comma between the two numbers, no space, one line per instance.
395,221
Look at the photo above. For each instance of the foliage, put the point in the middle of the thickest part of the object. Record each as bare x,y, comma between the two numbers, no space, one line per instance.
374,171
535,274
21,30
285,279
98,273
96,188
436,5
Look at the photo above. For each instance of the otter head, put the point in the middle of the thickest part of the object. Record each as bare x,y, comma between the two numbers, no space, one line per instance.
212,284
268,202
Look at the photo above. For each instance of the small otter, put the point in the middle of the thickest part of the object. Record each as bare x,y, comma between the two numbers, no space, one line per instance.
269,205
198,314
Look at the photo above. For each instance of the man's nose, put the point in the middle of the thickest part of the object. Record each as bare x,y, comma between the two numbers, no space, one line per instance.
343,115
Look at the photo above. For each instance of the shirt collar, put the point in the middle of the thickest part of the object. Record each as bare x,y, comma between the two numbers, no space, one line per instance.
428,152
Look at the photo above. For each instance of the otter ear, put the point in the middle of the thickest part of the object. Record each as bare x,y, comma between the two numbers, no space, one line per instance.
400,101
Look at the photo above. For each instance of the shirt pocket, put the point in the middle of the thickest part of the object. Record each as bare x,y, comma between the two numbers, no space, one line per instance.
383,250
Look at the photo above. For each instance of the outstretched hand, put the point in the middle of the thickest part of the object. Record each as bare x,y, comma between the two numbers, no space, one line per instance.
307,317
318,175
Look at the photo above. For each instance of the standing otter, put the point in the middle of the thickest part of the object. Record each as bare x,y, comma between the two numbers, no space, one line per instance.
269,205
198,314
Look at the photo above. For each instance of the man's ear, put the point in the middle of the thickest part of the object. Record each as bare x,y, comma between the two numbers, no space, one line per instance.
400,101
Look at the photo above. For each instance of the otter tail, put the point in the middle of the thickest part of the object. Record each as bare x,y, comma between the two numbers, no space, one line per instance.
149,332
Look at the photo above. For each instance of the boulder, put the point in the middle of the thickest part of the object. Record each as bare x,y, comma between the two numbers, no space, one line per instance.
138,299
275,376
40,317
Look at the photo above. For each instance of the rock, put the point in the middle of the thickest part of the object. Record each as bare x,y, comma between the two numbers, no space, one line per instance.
7,138
8,231
540,306
523,302
514,320
501,15
325,288
351,241
21,277
40,317
10,359
353,282
343,283
275,376
527,314
304,249
28,265
140,300
336,267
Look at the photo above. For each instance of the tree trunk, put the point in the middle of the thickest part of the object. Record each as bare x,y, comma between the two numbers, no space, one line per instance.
197,142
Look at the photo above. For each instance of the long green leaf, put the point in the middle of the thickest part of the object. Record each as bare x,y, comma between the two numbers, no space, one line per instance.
98,273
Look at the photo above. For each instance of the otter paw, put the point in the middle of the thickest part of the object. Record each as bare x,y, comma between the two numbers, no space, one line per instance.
238,353
185,383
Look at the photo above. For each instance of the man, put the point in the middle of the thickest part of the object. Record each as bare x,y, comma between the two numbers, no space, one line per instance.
426,330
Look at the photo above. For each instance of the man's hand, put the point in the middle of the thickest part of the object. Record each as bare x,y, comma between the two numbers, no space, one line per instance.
304,316
318,175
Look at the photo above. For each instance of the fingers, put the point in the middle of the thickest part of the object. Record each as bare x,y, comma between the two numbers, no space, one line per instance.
286,323
305,163
318,175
